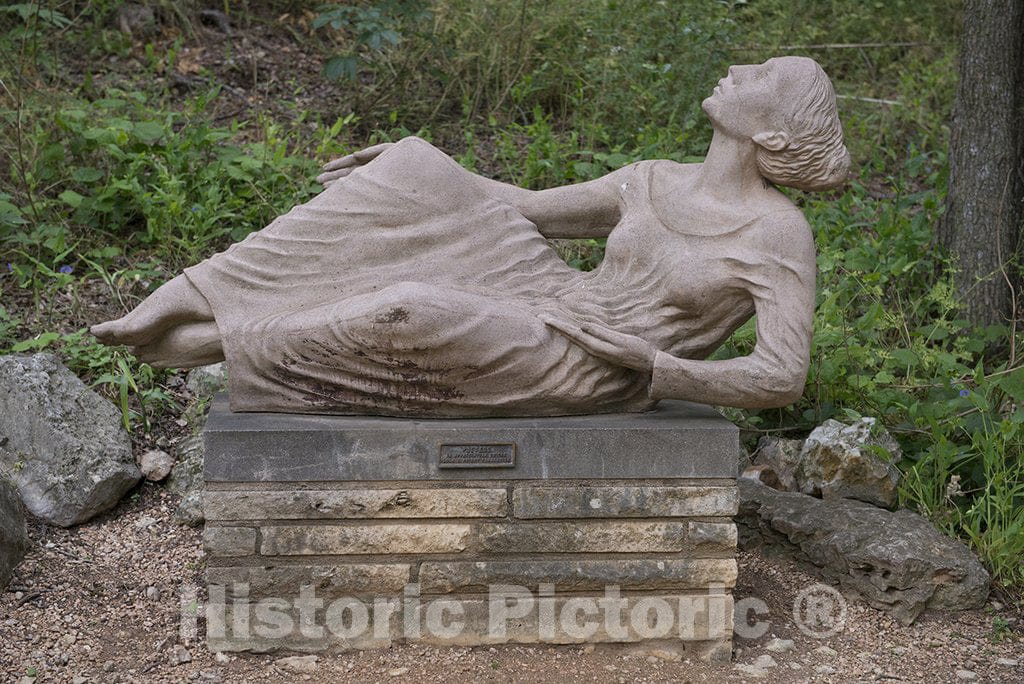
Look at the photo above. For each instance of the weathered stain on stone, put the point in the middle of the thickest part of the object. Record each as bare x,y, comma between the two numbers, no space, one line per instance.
317,540
462,502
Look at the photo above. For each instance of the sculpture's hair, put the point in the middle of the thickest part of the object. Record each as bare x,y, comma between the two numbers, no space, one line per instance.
815,158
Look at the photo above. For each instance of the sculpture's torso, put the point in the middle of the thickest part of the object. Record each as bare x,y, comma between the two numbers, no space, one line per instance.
660,284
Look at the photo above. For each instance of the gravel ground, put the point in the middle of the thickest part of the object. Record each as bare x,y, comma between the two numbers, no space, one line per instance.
100,603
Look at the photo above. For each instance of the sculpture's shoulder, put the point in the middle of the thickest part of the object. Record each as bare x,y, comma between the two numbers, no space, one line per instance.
782,227
784,239
641,180
671,171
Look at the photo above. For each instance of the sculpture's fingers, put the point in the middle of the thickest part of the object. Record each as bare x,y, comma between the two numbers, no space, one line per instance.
340,163
603,350
370,153
356,158
606,334
607,350
330,177
564,327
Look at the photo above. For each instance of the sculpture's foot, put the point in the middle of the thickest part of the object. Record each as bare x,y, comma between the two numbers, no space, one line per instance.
175,302
125,330
184,346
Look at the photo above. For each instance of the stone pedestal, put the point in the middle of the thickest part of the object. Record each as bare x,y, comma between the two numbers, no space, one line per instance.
350,532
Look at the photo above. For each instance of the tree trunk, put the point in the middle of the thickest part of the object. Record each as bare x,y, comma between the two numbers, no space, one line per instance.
985,205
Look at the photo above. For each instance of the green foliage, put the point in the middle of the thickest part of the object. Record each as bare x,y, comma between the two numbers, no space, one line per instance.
1001,630
372,28
115,171
8,326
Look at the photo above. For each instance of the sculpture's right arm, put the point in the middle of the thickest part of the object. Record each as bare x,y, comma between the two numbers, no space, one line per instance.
584,210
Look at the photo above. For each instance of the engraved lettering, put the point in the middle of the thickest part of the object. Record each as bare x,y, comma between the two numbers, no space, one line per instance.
477,456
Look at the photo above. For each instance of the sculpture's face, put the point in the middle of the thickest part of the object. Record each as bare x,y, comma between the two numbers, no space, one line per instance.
753,98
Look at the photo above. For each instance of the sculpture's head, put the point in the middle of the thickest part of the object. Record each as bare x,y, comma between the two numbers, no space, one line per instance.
788,108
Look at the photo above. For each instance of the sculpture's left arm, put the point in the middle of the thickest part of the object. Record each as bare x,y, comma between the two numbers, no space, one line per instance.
584,210
782,286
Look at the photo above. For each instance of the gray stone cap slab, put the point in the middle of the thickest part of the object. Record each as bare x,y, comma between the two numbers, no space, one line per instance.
676,440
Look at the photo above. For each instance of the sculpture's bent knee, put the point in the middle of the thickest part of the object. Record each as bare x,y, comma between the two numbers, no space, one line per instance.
406,315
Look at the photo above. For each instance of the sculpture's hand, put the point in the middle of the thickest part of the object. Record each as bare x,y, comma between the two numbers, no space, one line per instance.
342,166
612,346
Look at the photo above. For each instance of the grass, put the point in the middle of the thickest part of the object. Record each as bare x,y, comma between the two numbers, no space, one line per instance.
112,181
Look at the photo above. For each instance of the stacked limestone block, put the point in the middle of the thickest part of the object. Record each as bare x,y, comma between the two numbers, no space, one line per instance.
469,555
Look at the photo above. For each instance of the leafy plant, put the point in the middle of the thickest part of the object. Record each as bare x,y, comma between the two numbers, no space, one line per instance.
372,28
118,172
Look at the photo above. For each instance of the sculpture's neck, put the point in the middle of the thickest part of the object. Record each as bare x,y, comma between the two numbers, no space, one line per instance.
729,172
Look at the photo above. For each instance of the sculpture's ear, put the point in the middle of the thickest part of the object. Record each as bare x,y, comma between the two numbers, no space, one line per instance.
774,141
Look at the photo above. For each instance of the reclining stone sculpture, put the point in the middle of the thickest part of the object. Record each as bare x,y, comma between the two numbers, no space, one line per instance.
413,287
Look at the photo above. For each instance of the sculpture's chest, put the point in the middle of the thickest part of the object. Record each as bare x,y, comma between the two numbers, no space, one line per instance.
688,269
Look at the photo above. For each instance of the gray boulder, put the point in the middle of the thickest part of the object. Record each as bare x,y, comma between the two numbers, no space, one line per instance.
782,456
895,561
61,444
850,462
13,533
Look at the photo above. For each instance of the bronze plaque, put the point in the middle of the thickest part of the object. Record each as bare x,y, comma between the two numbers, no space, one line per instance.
477,456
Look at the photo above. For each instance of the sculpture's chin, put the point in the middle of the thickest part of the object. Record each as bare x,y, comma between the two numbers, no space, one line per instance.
708,105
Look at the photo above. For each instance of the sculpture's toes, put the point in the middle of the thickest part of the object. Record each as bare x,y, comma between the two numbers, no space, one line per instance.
120,331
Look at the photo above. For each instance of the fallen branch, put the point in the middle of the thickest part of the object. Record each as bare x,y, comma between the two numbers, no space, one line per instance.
869,99
830,46
29,597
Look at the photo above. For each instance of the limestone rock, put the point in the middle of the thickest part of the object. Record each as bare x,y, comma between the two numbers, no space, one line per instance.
895,561
179,655
186,479
750,671
187,473
780,645
298,664
190,509
782,456
764,474
205,381
743,459
229,541
62,445
840,461
13,534
156,464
